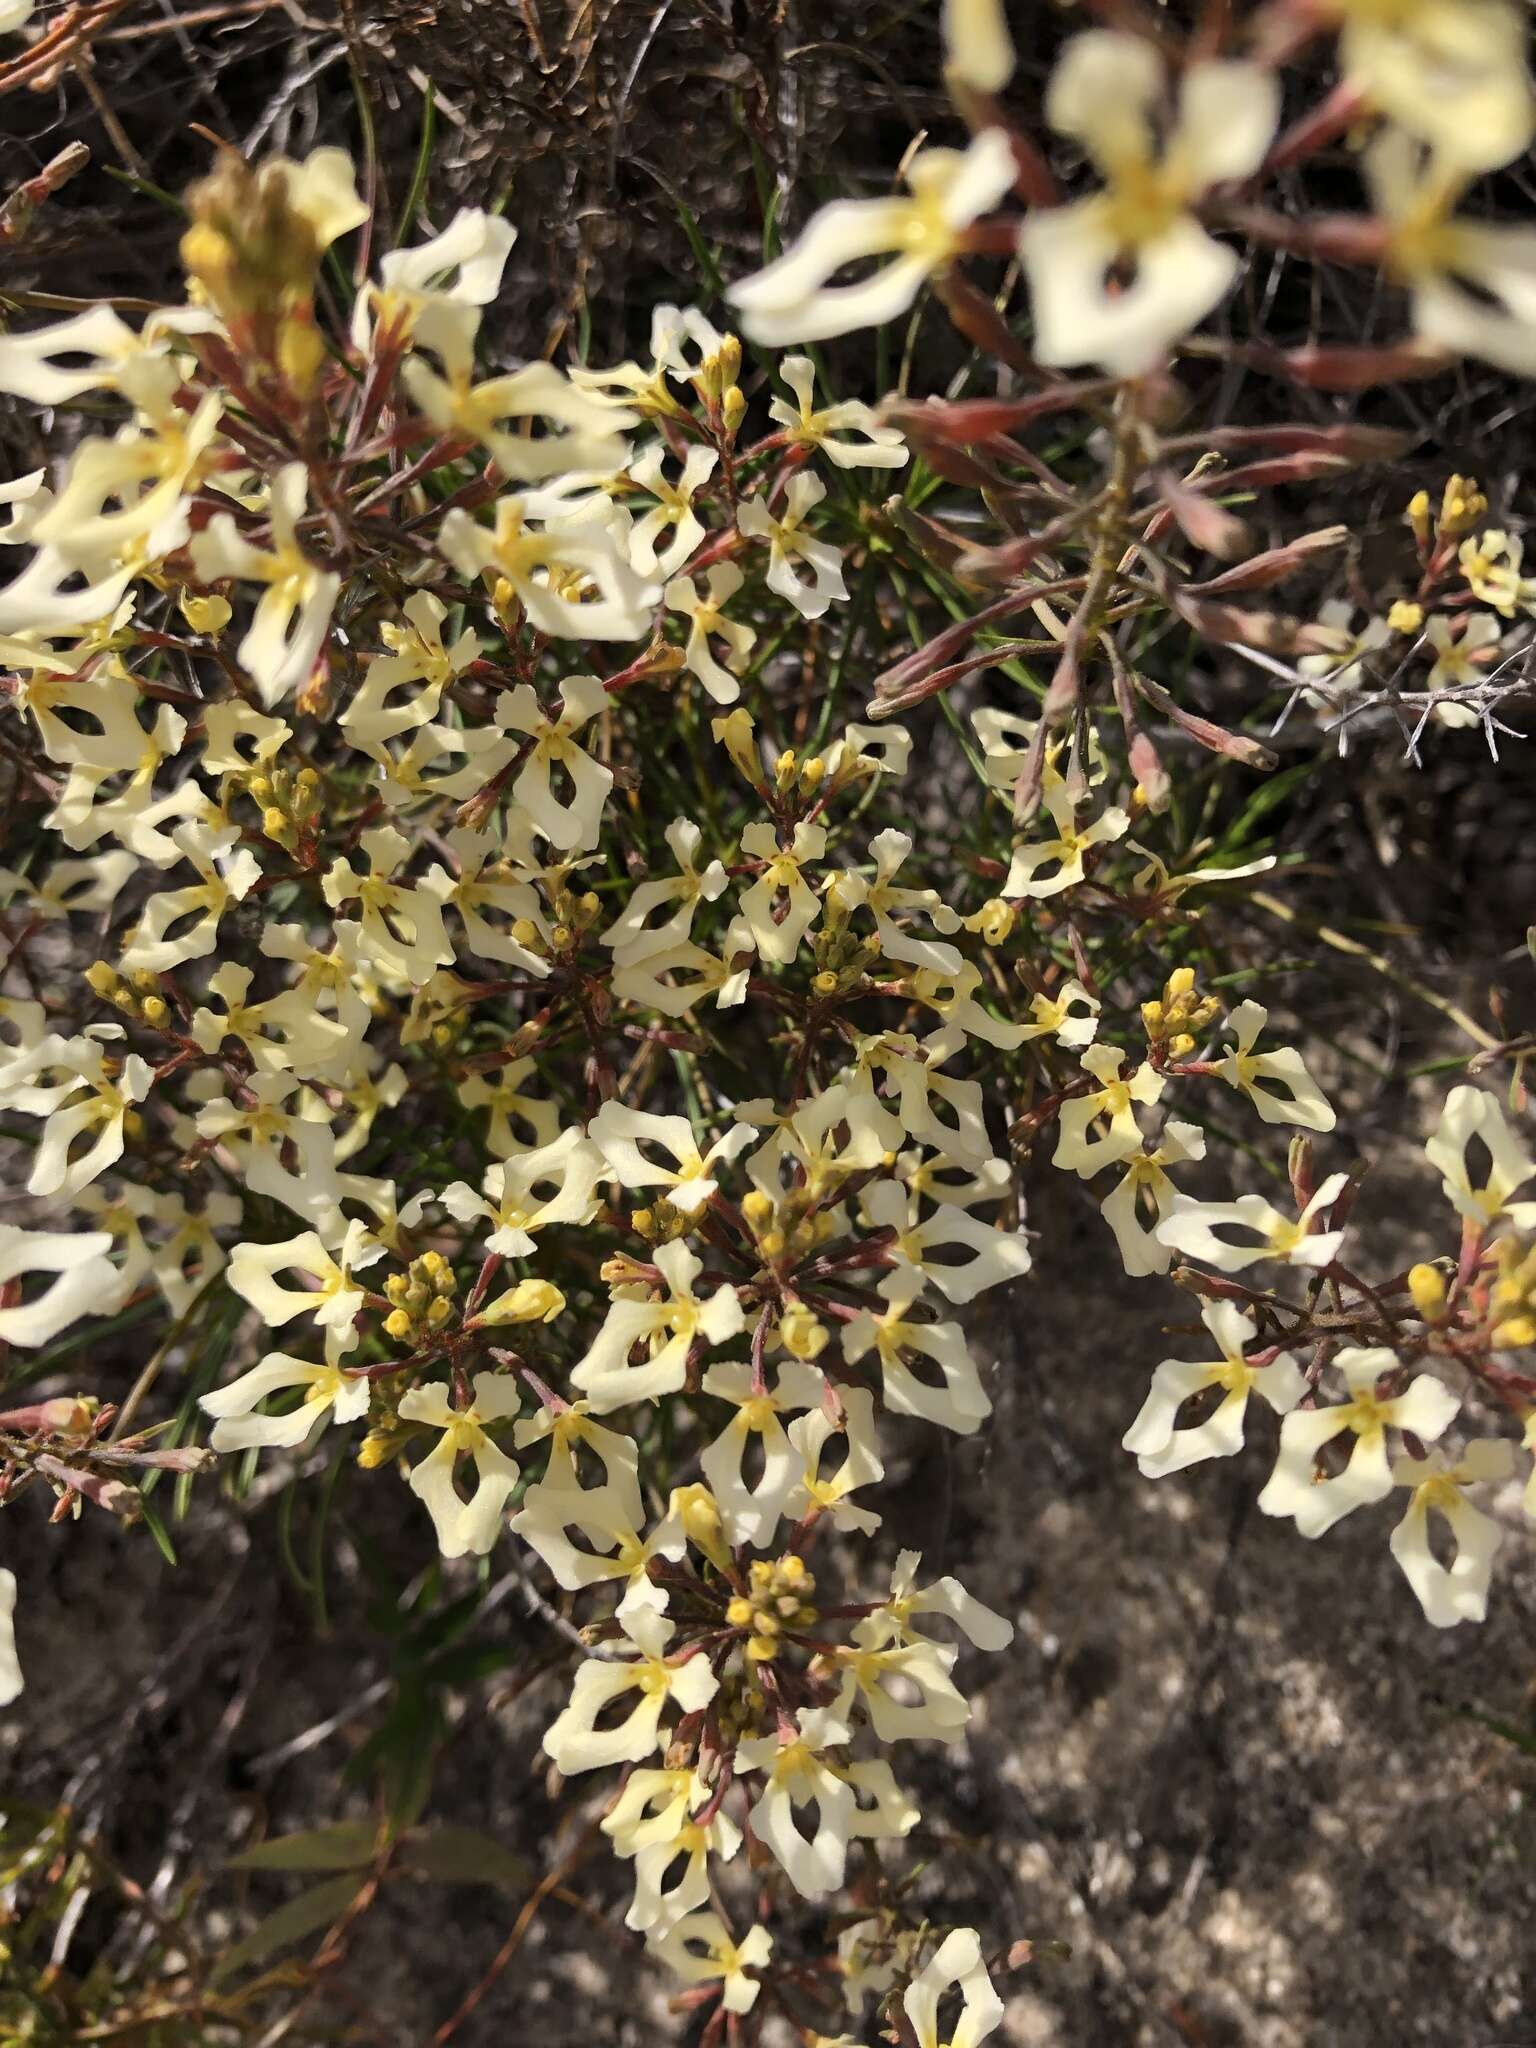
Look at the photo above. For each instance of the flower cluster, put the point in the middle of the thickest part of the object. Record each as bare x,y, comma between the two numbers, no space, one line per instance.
605,1067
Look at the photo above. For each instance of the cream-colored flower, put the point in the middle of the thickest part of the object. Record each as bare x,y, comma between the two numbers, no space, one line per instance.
670,1324
1457,1591
293,615
580,432
959,1402
803,1772
84,1282
701,1949
778,938
416,655
1491,563
1457,666
1113,1102
528,1192
401,927
997,1256
93,1102
790,544
1453,72
685,1175
751,1510
566,821
337,1298
877,447
673,508
1472,1118
329,1396
1194,1229
861,1466
706,616
573,1739
163,938
573,579
1251,1074
1144,1195
955,1964
464,1527
1103,93
431,295
1471,283
1160,1447
652,1821
1425,1409
1044,867
793,300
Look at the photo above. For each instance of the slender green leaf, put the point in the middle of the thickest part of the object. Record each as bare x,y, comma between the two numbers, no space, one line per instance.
302,1916
417,192
465,1856
344,1845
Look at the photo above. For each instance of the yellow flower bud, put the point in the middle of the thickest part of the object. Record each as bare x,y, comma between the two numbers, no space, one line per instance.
300,352
1427,1286
1405,616
1461,506
397,1324
204,614
803,1334
699,1513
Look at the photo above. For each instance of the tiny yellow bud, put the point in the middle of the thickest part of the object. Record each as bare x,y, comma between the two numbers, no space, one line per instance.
156,1010
1405,616
397,1324
204,614
103,979
1427,1286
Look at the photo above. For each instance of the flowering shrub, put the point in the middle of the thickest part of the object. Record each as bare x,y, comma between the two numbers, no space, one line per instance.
524,1014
